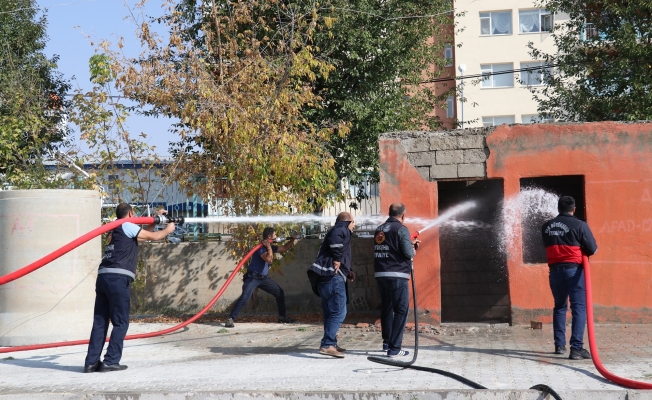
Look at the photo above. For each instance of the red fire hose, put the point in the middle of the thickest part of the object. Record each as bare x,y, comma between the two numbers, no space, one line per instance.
83,239
70,246
149,220
632,384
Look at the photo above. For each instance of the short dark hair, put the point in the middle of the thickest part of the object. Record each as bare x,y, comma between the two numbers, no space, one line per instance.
268,232
565,204
122,210
396,210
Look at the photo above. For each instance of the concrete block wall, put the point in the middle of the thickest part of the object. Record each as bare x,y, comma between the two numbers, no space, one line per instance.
446,155
184,277
613,159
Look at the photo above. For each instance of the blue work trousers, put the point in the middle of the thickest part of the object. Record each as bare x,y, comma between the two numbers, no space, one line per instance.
395,305
568,284
333,302
253,280
112,301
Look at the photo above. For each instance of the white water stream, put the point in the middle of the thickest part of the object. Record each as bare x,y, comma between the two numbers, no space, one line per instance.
364,220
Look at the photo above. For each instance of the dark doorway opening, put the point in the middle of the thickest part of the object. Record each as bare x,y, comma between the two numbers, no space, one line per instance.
474,285
569,185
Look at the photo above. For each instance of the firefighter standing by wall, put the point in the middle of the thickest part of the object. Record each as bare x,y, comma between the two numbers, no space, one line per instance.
393,253
566,237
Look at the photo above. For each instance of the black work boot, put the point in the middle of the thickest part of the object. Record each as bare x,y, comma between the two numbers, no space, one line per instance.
111,367
579,354
92,368
560,349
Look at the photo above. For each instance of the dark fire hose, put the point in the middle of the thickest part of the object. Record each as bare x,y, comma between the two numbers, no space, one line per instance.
409,364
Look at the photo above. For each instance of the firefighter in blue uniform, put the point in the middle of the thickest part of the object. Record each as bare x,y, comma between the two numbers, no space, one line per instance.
112,297
393,253
566,237
328,275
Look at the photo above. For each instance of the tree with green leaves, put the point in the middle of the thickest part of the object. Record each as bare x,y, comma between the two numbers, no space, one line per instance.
101,118
602,67
32,119
381,52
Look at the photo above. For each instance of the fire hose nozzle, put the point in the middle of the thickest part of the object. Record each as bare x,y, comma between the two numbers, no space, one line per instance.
414,235
283,239
162,220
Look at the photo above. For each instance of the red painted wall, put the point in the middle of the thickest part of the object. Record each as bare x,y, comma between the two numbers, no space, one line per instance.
400,182
616,161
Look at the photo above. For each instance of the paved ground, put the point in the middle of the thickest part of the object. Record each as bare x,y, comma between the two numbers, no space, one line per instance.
273,360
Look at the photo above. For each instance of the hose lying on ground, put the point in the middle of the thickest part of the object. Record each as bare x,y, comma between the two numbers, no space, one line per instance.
85,238
459,378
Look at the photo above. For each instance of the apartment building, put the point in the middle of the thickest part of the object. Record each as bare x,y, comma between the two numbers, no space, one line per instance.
493,43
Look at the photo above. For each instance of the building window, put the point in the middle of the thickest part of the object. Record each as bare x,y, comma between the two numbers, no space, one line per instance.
113,182
450,107
533,77
496,23
590,32
497,75
535,119
534,21
495,121
533,191
448,55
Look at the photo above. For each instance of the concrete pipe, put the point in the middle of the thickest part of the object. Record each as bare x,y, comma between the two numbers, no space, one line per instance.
54,303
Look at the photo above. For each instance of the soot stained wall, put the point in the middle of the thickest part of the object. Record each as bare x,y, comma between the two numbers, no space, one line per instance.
474,283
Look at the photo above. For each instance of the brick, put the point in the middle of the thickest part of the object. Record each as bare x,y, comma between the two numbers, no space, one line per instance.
470,171
423,159
362,325
424,172
414,145
475,156
449,157
442,141
471,142
443,171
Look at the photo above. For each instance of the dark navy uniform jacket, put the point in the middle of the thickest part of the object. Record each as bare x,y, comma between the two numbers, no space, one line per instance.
566,237
393,250
335,247
121,255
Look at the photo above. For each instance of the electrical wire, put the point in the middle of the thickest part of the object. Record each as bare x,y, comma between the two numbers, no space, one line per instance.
486,74
46,7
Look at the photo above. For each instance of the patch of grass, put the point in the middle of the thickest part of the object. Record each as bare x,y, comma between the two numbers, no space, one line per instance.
647,377
302,329
223,330
9,358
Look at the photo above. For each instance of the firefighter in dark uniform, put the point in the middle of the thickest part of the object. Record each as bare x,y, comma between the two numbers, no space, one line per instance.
393,253
566,237
112,298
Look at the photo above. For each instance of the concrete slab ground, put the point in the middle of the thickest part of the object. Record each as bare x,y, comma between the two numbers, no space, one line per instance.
275,361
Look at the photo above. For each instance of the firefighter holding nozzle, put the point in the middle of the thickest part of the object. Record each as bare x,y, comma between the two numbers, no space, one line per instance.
393,253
